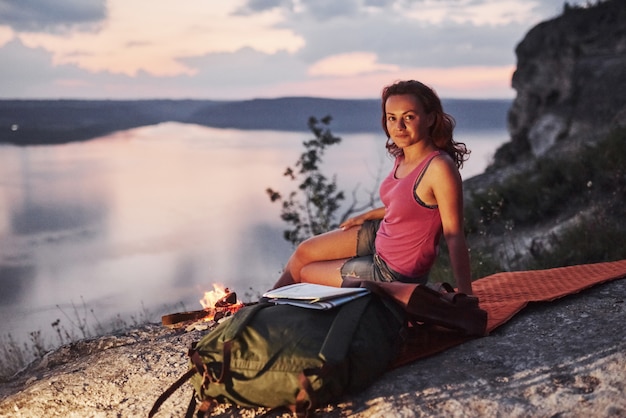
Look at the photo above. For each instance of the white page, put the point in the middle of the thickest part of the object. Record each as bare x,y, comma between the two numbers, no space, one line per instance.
312,292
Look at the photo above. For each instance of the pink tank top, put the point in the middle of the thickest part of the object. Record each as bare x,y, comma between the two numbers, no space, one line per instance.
408,236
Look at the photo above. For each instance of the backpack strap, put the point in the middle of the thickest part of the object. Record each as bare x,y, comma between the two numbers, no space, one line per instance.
333,351
237,324
339,337
169,391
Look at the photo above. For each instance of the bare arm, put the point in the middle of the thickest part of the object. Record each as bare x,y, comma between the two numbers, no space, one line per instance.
377,213
448,192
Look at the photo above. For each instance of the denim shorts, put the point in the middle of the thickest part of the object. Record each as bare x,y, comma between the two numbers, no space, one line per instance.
367,265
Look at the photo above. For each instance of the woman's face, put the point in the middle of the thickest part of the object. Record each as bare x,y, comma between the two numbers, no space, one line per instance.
407,122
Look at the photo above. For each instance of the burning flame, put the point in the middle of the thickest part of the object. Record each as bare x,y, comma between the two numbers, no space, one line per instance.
213,296
218,304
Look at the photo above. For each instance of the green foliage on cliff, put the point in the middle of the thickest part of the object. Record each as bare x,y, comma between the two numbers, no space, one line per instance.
554,184
587,188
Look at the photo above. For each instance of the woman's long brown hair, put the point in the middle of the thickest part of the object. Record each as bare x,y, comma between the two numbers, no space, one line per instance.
442,128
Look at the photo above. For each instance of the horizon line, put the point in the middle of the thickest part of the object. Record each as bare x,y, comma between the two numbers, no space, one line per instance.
231,100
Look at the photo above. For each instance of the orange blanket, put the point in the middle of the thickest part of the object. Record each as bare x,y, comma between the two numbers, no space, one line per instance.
503,295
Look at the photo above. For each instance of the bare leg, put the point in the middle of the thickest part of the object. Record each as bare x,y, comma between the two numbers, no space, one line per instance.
337,246
323,272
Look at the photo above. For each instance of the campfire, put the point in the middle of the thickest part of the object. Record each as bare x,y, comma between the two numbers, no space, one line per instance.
217,304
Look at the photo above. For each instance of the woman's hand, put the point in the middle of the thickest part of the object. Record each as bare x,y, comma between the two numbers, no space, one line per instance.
349,223
377,213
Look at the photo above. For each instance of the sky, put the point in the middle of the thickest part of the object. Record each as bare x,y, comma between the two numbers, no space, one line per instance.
244,49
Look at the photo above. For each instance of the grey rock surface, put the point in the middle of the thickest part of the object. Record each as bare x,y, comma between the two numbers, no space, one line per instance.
565,358
570,79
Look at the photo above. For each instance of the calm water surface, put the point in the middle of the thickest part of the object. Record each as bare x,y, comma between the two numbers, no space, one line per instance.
149,219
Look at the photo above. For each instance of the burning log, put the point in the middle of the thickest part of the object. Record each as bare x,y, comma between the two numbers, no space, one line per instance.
218,304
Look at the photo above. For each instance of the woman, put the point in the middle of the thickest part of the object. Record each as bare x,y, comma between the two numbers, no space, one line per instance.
422,197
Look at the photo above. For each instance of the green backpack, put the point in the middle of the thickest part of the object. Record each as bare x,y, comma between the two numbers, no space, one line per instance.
285,356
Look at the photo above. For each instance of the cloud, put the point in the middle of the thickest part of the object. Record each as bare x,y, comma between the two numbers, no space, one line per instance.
154,44
6,35
245,68
323,10
406,43
239,75
476,13
433,33
261,48
46,15
256,6
378,3
25,71
458,82
349,64
318,10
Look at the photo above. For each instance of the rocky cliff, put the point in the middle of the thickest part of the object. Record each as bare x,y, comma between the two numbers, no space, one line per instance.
570,81
564,168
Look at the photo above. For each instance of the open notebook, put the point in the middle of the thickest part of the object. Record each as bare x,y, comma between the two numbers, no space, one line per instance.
313,296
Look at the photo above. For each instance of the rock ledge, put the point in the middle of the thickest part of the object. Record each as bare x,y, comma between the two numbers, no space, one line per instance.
565,358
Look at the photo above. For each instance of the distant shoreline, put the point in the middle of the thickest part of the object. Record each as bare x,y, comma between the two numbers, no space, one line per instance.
50,122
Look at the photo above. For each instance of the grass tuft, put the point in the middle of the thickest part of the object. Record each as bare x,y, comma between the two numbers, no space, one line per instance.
80,323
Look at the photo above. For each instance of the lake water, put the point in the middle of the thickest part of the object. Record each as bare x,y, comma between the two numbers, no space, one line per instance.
148,219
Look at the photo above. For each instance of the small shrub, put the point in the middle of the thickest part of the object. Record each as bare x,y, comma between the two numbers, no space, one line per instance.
313,208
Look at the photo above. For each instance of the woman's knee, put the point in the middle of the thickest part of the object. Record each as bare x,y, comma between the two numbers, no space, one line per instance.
305,251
